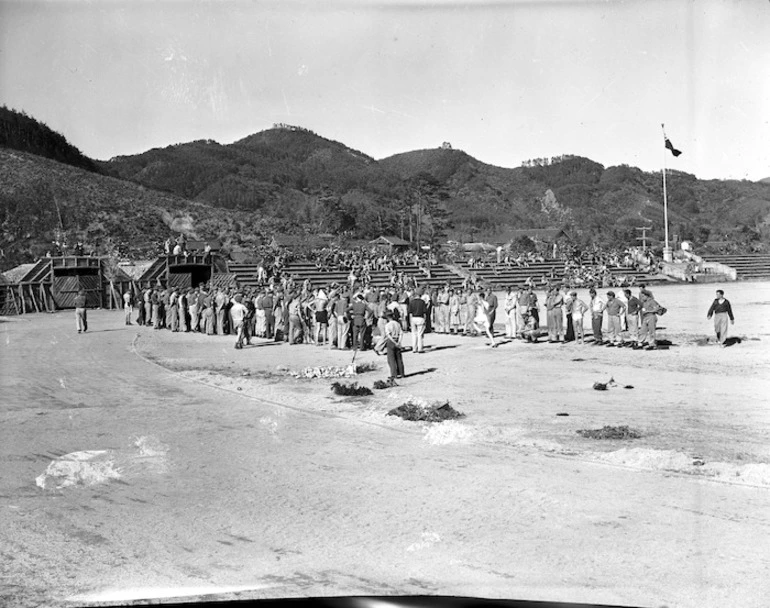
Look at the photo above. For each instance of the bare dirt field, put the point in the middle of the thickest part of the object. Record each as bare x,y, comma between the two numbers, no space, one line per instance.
147,464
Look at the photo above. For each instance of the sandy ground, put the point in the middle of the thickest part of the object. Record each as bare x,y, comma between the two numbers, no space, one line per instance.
200,469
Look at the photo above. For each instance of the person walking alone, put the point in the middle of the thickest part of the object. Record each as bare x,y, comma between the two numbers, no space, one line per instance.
81,318
721,311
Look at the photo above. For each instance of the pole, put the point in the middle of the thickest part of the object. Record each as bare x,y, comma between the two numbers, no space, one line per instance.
667,254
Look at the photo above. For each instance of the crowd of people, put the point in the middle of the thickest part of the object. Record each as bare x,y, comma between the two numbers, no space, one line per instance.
360,317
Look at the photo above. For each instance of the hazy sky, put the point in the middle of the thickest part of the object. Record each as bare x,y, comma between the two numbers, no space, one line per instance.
504,81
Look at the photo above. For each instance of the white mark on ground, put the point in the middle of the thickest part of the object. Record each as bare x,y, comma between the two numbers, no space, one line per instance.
125,595
92,467
61,382
427,539
85,468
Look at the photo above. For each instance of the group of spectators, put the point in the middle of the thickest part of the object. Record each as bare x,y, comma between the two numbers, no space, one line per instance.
341,316
630,320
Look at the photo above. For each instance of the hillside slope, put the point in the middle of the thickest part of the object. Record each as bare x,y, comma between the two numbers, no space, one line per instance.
41,198
24,133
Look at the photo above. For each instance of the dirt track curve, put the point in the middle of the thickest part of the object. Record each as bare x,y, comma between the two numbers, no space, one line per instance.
211,491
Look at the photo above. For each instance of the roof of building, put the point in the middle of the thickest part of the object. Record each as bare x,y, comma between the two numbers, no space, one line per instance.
393,241
135,269
542,234
14,275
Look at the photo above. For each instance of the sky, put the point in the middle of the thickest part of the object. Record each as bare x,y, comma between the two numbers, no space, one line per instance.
505,81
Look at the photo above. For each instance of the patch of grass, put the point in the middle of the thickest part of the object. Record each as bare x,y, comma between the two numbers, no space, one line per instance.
610,432
383,384
351,390
433,413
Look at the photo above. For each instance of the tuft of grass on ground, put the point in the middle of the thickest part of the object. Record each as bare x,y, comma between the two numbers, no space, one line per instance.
351,390
610,432
432,413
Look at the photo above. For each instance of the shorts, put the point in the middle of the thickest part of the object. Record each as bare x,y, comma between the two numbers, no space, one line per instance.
321,316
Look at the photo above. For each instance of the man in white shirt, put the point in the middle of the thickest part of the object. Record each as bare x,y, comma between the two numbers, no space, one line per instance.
597,307
238,313
127,306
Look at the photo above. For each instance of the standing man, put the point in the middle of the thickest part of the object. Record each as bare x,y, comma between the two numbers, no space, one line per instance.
238,312
173,311
522,309
358,312
268,306
147,299
342,320
615,308
510,312
492,311
81,320
597,306
554,315
633,310
454,312
128,306
417,312
393,344
721,311
220,300
650,311
442,312
532,305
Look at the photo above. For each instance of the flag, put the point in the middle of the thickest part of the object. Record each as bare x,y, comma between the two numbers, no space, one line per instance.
671,147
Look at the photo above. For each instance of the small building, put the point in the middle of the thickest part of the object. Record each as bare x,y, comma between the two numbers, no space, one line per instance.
392,243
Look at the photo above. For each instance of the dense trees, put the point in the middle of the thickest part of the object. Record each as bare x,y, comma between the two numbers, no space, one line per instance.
292,181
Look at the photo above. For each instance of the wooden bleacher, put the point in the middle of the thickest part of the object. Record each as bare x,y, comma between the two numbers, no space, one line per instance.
246,274
749,266
550,269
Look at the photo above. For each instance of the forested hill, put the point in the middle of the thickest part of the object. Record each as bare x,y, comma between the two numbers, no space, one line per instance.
21,132
288,180
255,172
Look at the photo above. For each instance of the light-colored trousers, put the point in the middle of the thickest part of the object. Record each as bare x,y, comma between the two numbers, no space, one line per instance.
614,328
511,323
632,322
555,323
343,328
721,322
418,331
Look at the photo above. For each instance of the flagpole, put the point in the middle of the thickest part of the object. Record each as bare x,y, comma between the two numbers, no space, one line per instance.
667,253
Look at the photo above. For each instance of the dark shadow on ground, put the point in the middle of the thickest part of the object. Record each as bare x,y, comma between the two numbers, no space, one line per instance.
261,344
433,349
430,370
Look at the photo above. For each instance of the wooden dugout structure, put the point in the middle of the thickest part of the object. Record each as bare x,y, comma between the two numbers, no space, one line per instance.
183,271
52,284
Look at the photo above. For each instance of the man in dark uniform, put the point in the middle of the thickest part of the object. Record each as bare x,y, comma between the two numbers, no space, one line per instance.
357,313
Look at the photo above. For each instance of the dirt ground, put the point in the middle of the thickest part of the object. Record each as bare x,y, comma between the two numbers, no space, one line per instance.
146,464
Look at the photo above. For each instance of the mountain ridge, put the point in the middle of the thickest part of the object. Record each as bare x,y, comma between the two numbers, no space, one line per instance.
288,180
